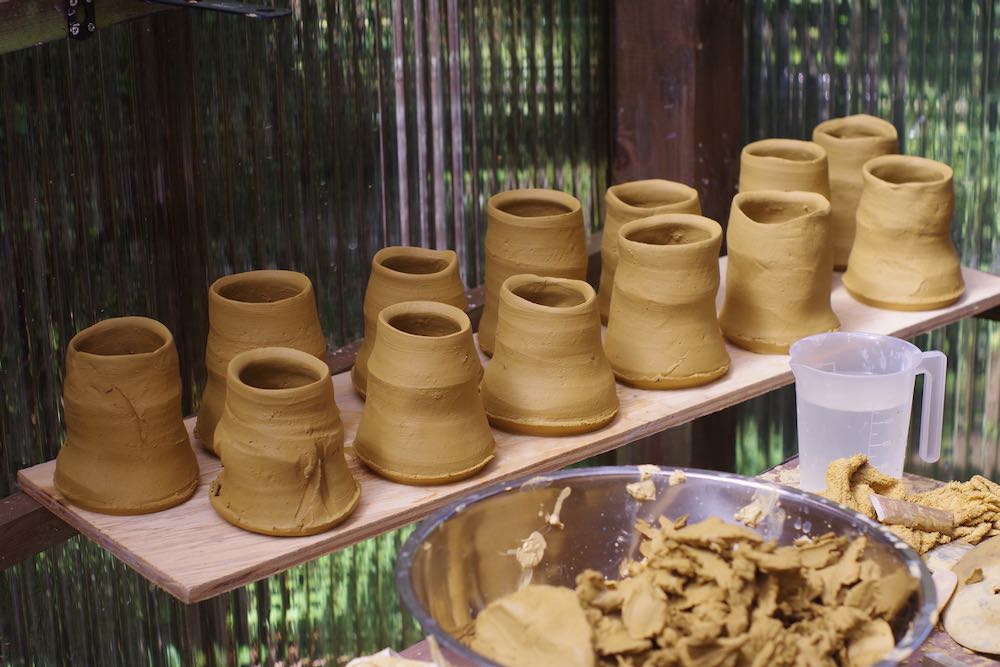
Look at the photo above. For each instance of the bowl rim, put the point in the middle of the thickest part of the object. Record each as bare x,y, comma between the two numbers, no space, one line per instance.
912,639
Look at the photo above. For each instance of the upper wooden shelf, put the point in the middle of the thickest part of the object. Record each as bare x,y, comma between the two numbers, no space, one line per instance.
193,554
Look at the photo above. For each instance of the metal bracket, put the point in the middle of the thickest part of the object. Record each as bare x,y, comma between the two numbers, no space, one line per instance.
81,19
229,7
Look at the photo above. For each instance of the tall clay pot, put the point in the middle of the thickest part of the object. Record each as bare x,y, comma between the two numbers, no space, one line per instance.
780,270
549,375
662,331
631,201
247,311
784,164
903,256
424,421
400,274
126,449
530,231
849,143
281,442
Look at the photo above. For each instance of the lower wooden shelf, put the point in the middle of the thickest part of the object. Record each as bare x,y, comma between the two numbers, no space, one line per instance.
193,554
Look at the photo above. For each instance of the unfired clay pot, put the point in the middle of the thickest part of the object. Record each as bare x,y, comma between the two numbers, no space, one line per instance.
784,164
663,332
903,256
405,274
530,231
126,449
281,442
780,270
424,421
631,201
247,311
849,143
549,375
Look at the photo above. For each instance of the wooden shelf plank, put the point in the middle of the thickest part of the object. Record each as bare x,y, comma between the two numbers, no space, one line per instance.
193,554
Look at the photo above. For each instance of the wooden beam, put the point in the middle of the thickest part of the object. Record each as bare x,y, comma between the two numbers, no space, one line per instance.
25,23
27,528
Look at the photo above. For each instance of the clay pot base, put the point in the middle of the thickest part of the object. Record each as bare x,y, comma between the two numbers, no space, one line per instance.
673,383
906,307
419,480
551,428
758,346
157,506
220,506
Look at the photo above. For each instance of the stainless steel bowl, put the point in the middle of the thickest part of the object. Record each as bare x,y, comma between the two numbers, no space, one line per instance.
460,559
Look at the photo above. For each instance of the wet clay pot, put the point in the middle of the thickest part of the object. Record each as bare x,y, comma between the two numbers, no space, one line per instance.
849,143
780,270
784,164
247,311
631,201
549,375
530,231
903,256
424,421
126,449
405,274
662,331
281,442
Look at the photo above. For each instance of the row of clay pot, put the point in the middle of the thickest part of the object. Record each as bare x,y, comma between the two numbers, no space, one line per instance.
891,214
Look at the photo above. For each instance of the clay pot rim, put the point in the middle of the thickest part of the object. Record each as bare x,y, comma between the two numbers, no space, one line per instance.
102,326
555,196
613,195
450,312
521,279
293,279
450,257
287,355
781,196
690,220
945,172
884,130
819,153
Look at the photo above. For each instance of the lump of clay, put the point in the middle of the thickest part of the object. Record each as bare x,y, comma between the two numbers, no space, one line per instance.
247,311
903,256
630,201
784,164
424,421
663,332
780,270
281,442
849,143
126,448
549,375
401,273
529,231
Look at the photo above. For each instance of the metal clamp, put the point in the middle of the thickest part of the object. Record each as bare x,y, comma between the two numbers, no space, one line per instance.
81,19
229,7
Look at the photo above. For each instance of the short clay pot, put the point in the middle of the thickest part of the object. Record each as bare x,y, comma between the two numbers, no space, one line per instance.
784,164
549,375
663,332
126,448
849,143
281,442
424,421
903,256
247,311
402,273
530,231
780,270
631,201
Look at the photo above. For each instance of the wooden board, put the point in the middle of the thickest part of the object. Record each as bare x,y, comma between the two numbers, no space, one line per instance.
193,554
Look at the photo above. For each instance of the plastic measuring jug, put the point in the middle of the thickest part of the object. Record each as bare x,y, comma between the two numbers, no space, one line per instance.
853,393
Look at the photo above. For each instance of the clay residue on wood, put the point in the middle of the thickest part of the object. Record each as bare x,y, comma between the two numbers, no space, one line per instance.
974,505
706,594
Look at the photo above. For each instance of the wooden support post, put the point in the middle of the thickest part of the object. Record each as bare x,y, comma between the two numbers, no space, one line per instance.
27,528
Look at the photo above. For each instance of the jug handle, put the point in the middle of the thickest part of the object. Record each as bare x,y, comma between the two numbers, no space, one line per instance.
934,366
